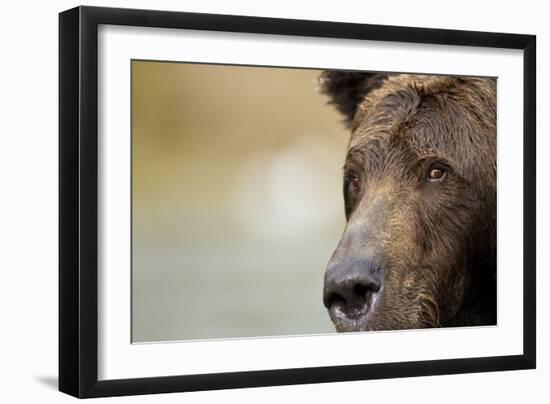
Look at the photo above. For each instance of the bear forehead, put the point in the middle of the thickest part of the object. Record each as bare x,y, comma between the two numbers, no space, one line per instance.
430,114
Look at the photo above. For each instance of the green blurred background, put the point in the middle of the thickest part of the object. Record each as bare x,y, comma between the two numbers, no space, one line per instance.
237,202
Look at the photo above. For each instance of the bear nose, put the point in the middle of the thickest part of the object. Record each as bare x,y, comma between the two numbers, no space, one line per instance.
351,287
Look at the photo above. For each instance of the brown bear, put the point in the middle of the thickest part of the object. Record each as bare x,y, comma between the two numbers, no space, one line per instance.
419,246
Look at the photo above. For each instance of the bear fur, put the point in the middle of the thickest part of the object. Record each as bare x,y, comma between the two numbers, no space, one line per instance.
419,246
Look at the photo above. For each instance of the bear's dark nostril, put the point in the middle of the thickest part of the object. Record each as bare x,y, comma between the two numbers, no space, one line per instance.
361,290
335,299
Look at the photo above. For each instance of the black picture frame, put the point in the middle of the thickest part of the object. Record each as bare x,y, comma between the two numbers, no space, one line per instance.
78,201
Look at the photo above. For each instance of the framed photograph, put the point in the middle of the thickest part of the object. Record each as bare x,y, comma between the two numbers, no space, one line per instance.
251,201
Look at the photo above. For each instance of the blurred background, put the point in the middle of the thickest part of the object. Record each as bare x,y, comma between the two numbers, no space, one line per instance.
237,202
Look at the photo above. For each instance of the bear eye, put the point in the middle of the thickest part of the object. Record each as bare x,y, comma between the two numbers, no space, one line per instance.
353,181
352,189
437,173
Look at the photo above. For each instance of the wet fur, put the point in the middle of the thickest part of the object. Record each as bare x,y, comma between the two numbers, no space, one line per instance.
437,242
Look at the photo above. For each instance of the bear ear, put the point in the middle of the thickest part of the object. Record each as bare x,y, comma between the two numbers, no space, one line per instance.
347,89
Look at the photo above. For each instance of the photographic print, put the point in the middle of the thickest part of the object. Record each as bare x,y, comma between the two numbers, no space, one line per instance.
272,201
249,201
